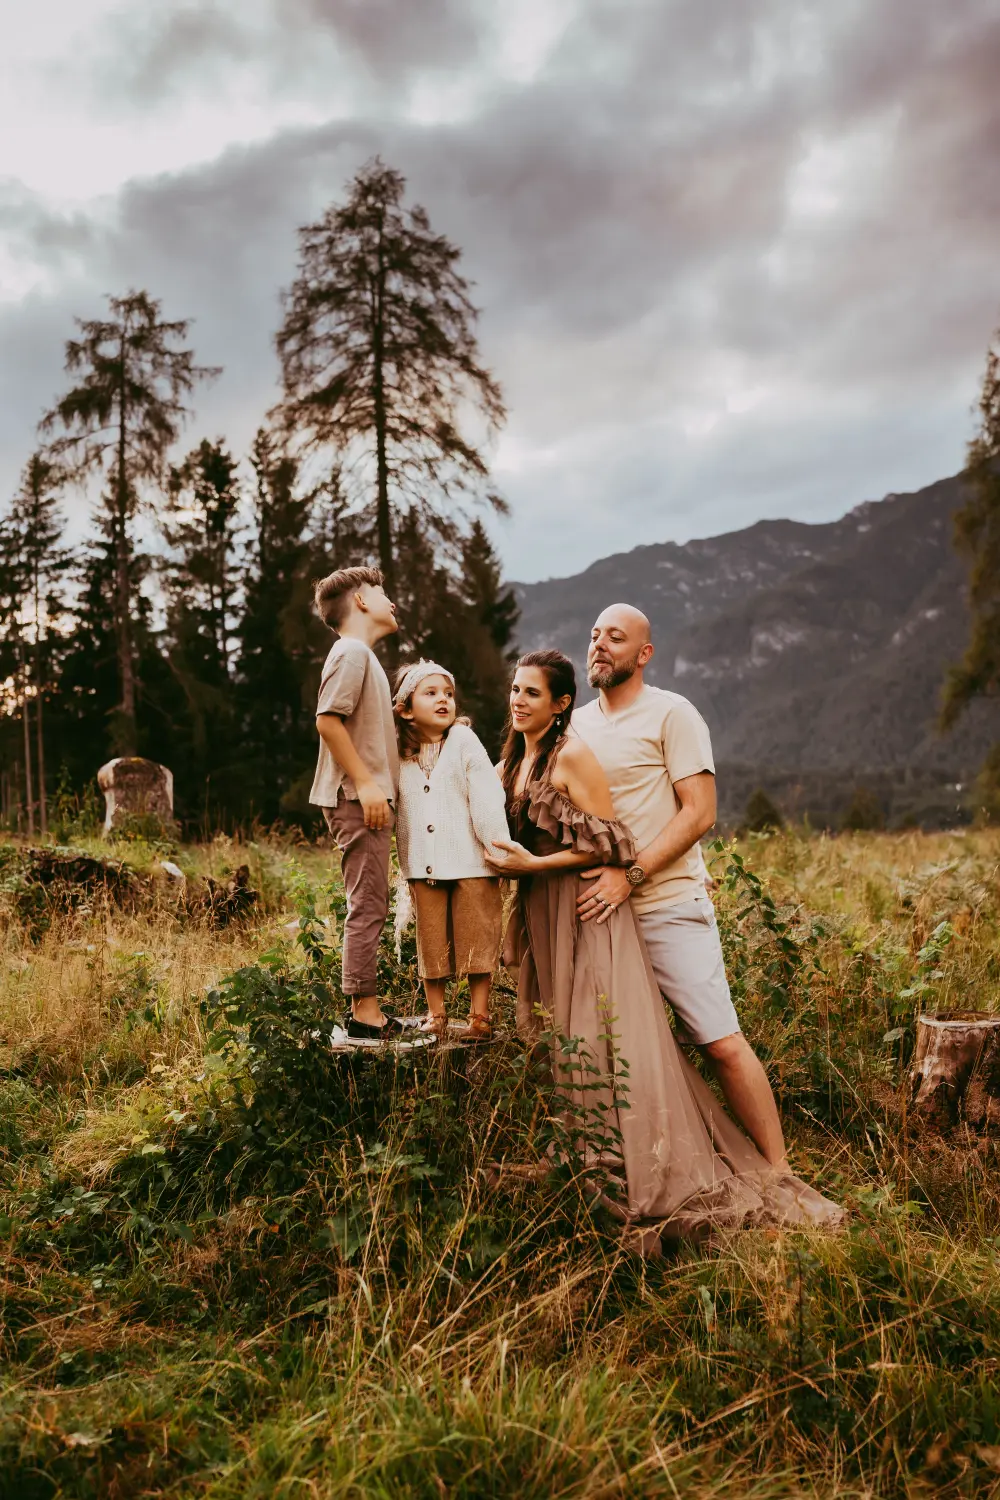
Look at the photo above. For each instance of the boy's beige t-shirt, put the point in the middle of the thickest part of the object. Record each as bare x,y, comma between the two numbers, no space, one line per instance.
356,689
658,739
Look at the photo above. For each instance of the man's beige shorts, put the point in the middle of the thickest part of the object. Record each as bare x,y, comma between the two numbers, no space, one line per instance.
686,954
458,926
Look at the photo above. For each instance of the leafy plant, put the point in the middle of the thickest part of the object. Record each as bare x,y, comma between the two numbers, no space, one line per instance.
782,965
135,991
148,829
269,1026
928,971
75,815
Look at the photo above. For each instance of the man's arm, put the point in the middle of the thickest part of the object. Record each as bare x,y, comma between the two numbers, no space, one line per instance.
333,733
696,795
609,887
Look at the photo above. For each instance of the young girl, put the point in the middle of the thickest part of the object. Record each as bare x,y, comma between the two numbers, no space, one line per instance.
451,810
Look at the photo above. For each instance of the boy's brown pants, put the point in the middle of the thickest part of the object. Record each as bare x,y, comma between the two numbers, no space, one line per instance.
364,856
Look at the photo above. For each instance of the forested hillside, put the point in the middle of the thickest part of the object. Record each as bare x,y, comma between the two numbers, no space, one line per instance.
817,653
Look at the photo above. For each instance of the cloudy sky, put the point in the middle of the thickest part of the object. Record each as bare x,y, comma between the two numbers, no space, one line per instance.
736,258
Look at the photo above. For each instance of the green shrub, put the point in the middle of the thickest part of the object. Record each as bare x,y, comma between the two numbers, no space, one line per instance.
75,815
761,814
864,813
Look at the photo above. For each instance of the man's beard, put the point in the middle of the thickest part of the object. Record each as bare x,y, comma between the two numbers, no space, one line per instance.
602,675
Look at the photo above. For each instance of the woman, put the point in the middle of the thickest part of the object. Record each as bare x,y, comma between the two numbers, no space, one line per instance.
685,1162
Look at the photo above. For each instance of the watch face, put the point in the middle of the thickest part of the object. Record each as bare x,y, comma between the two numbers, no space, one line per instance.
635,874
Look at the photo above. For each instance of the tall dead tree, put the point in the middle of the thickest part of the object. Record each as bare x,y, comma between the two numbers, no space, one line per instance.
381,366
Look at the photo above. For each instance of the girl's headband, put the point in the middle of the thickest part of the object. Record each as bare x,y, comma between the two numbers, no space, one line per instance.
416,675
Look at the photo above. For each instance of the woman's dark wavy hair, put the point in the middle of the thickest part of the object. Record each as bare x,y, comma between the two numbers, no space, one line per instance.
560,674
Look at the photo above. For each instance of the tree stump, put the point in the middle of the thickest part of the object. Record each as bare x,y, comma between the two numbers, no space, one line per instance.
956,1067
136,788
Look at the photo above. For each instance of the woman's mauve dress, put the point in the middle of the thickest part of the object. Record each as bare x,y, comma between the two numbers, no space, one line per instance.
686,1163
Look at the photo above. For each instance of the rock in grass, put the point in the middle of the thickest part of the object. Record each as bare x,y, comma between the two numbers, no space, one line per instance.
136,789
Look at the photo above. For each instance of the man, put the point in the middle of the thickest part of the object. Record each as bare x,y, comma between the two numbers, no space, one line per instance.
657,755
357,777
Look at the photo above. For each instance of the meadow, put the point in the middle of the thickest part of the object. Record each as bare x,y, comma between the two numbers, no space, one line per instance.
237,1264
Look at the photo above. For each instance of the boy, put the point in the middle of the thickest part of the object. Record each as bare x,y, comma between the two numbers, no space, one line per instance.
357,777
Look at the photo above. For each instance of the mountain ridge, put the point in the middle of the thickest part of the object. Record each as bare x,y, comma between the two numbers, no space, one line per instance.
810,648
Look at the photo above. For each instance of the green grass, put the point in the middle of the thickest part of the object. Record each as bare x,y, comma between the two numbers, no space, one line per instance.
235,1267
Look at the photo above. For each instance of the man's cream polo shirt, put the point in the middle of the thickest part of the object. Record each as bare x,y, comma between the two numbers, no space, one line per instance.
658,739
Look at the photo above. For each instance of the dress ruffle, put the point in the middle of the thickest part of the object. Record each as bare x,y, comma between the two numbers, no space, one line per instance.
605,838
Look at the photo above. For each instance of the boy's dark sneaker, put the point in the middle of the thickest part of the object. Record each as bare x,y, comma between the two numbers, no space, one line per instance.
360,1031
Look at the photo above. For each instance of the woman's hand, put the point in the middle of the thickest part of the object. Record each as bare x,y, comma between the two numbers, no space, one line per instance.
515,860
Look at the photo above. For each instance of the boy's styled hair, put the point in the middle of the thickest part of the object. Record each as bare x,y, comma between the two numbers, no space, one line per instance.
331,595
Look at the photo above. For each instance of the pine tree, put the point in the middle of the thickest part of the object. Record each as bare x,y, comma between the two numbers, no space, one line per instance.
864,812
761,814
89,688
14,667
493,614
380,364
977,537
200,526
88,697
33,567
119,420
462,616
281,644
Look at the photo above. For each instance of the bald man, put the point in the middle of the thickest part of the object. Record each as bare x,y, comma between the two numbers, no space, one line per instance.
657,755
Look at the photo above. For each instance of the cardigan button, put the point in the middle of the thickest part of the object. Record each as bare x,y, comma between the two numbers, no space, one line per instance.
427,787
430,828
429,868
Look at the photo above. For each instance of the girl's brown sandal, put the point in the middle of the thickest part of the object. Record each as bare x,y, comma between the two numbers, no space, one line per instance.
480,1030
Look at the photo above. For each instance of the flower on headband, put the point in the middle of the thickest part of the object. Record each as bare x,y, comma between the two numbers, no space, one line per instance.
415,675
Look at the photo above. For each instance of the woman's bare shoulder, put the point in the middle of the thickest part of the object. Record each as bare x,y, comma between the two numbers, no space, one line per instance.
576,755
581,776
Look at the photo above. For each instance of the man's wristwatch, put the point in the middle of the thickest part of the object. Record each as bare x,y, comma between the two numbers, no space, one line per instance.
635,875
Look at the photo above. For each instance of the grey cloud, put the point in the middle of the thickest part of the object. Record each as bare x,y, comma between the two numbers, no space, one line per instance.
32,232
305,46
395,37
139,58
629,221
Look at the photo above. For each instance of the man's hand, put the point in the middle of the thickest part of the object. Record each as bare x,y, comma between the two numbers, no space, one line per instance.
609,890
374,805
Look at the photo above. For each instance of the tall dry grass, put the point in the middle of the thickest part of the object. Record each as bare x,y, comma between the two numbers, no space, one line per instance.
188,1311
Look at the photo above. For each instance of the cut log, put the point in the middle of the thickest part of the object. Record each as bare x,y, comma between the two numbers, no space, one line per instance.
71,877
956,1067
225,901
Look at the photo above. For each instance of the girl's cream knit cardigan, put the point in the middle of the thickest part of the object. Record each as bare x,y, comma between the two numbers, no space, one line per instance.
446,820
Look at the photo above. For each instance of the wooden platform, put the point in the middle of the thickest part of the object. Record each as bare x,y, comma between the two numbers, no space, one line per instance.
432,1047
